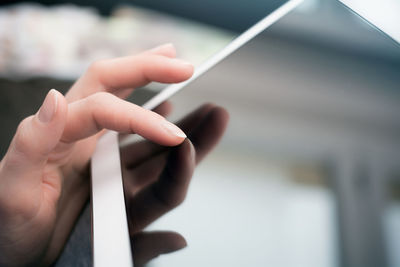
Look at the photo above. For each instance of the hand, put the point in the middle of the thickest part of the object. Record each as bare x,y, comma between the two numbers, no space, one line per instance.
156,178
44,181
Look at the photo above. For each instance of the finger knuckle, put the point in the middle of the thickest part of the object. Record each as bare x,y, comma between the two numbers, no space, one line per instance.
97,67
96,102
99,98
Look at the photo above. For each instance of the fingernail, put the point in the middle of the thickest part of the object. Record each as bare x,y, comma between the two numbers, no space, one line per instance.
173,129
162,47
183,62
49,107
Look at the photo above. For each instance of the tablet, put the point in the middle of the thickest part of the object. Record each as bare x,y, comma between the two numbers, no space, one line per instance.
110,237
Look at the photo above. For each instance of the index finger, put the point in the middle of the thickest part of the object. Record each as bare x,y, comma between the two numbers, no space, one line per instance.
90,115
204,126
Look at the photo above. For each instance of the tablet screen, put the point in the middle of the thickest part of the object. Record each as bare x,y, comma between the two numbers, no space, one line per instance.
307,173
211,45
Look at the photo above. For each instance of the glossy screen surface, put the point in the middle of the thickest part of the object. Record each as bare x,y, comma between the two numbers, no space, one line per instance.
307,173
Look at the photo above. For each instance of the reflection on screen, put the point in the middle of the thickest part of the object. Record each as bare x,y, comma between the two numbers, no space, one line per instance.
299,179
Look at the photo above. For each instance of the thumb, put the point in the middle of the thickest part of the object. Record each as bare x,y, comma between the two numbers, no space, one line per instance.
35,139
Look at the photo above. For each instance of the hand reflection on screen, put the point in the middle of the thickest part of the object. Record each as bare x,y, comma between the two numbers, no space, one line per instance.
156,178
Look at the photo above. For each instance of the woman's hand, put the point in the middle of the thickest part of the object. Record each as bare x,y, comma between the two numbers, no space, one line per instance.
44,181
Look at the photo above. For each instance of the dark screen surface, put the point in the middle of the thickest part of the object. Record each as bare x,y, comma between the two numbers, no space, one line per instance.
232,15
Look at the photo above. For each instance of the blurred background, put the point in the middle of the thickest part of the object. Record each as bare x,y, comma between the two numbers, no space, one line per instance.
308,173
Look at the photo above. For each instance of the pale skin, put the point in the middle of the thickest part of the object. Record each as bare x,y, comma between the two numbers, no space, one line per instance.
44,176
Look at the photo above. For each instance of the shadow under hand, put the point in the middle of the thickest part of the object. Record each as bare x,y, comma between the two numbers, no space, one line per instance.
149,245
